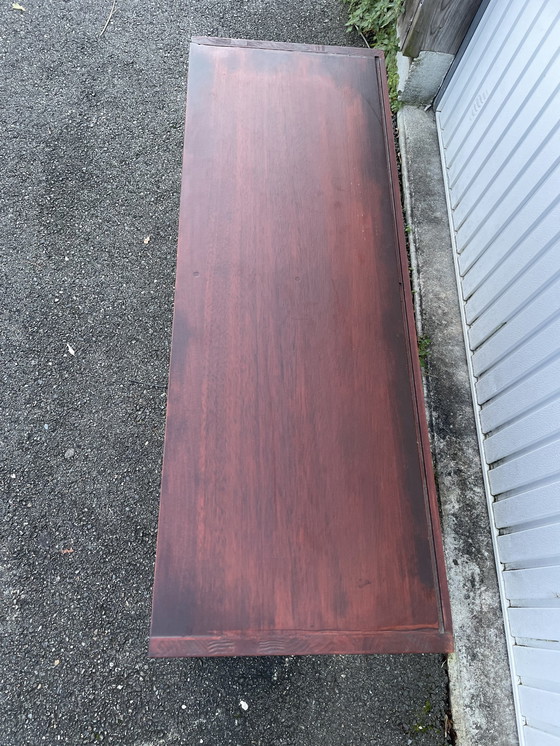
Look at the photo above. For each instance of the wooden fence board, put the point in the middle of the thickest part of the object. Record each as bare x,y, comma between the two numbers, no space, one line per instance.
435,25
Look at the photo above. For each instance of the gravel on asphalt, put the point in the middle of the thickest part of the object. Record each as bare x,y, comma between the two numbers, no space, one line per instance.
92,129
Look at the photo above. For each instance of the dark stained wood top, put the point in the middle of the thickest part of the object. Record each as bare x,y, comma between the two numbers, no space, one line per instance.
298,511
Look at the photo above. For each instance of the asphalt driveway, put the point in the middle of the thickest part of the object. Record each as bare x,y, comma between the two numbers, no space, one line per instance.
91,140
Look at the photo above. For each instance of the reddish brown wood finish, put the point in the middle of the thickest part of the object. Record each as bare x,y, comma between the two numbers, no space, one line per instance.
298,511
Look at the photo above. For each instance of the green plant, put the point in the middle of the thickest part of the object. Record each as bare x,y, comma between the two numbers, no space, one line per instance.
423,723
376,20
424,344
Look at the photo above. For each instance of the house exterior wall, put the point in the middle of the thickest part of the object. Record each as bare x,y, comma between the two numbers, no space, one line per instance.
499,129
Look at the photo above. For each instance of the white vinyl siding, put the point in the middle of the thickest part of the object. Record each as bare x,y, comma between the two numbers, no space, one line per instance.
499,129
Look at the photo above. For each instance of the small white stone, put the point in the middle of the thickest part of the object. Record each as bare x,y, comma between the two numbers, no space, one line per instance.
244,705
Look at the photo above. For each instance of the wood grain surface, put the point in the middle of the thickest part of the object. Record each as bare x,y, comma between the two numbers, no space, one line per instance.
298,511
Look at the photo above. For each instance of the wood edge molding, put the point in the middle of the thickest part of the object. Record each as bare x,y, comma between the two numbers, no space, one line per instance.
280,46
409,324
294,642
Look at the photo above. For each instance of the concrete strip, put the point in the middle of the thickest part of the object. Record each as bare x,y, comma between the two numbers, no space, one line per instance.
480,683
423,76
